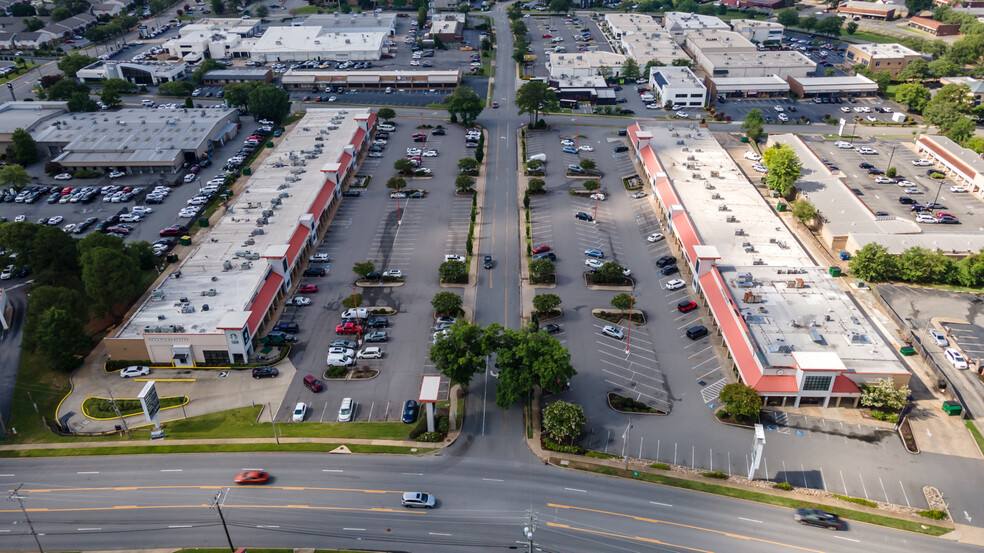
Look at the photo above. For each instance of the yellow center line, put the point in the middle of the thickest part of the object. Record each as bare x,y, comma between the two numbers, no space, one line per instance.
657,521
623,536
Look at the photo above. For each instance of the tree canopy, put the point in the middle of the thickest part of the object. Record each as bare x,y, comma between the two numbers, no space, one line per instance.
23,147
563,421
754,125
535,97
873,263
784,169
465,104
14,176
268,101
446,303
460,354
71,63
741,401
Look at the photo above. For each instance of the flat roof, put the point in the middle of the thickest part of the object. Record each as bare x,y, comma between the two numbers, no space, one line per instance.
780,58
349,21
24,115
245,72
586,59
676,77
872,6
704,41
768,82
317,39
891,50
752,23
941,143
844,83
682,20
655,45
231,251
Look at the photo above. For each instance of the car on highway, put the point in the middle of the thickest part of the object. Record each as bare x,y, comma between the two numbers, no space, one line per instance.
265,372
257,477
300,411
418,499
613,331
488,263
410,411
816,517
939,338
135,370
675,284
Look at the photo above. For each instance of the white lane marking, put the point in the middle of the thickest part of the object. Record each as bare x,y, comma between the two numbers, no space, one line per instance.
181,526
438,534
663,504
4,531
848,539
493,480
263,526
171,470
250,469
86,473
576,490
84,529
332,470
6,474
750,520
413,474
355,529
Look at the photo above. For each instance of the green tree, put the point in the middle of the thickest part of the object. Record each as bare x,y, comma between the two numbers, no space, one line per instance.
261,11
397,183
957,95
754,125
788,17
33,24
25,150
422,17
882,79
80,102
468,165
363,268
461,353
526,359
446,303
623,302
829,72
975,143
873,263
942,114
14,176
110,97
604,72
44,298
914,96
175,88
514,12
119,85
961,130
830,26
268,101
916,6
545,303
535,97
682,62
218,6
809,23
630,69
465,104
464,183
207,65
520,49
588,165
71,63
884,395
386,114
65,88
403,166
592,184
944,68
916,70
740,401
536,186
189,103
803,210
563,421
851,27
784,169
237,95
518,28
453,271
61,338
560,6
109,278
541,267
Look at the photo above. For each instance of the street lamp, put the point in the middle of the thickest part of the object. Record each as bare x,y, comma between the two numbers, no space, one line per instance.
854,130
890,156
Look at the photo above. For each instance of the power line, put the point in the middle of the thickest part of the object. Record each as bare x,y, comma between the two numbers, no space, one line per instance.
20,499
218,507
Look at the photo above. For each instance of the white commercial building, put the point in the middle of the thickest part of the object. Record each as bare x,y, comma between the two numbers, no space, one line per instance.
649,46
678,23
318,43
142,73
583,64
706,42
366,22
758,31
770,86
240,270
678,85
785,63
195,46
621,24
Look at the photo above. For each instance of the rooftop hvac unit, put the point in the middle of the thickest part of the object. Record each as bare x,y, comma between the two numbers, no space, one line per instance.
256,232
227,265
188,308
260,221
245,265
268,213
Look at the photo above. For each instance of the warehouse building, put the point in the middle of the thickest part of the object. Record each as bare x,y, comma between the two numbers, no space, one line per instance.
27,116
758,31
784,63
621,24
583,64
678,85
770,86
649,46
867,10
678,23
318,43
222,77
842,86
295,79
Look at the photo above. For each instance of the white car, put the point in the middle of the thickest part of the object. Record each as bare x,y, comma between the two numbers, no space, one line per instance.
396,273
129,217
778,108
675,284
654,237
567,142
429,153
54,221
338,350
413,151
783,117
939,338
884,180
187,213
600,196
958,189
300,411
753,156
682,114
319,258
375,154
135,370
922,162
593,263
453,257
7,273
864,150
198,200
300,300
955,359
265,122
904,182
913,191
397,195
845,109
585,148
613,331
63,176
345,411
843,145
142,210
332,98
760,168
872,118
20,219
371,352
117,174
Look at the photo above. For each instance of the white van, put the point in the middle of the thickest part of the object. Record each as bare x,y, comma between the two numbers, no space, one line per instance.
338,360
539,157
647,98
387,127
345,411
356,312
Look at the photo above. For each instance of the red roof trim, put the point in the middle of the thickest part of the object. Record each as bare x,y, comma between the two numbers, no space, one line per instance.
732,325
844,385
261,304
358,139
319,204
296,243
687,234
650,161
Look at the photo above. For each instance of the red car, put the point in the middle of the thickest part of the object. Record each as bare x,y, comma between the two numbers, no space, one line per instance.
495,105
686,306
547,35
541,248
419,135
253,477
348,328
173,230
308,289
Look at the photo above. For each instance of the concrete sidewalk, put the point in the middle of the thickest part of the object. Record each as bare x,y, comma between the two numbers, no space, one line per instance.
207,441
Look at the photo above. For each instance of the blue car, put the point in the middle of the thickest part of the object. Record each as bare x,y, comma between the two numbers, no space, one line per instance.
595,253
569,150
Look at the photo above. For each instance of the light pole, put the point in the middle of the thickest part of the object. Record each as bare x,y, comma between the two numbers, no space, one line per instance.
10,87
528,532
890,156
854,130
625,442
628,335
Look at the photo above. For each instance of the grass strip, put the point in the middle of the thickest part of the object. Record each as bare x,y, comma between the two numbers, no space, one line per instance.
976,433
226,549
102,408
759,497
208,448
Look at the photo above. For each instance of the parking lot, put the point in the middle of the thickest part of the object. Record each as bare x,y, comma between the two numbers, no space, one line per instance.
565,32
367,228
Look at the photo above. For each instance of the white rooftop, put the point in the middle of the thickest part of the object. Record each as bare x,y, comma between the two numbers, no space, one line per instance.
652,45
24,115
879,50
317,39
681,21
230,251
778,59
211,25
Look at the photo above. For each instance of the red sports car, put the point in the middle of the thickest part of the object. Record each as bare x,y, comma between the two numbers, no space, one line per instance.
253,477
308,289
541,248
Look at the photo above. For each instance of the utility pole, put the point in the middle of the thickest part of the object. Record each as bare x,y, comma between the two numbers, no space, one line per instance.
528,532
890,156
273,422
215,505
625,441
20,499
112,401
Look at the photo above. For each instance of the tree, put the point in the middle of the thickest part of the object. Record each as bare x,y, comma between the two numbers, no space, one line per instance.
830,25
916,70
33,24
784,169
208,65
109,278
453,271
535,97
518,28
873,263
563,421
175,88
944,68
422,17
110,97
527,358
61,338
536,186
942,114
884,394
44,298
961,130
386,114
788,17
520,48
24,148
514,12
975,143
604,72
803,210
189,103
261,11
882,79
754,125
446,303
623,302
268,101
80,101
809,23
464,183
363,268
218,6
560,6
588,165
740,401
403,166
829,72
461,353
916,6
14,176
70,64
541,268
465,104
851,27
958,95
63,89
237,95
682,62
630,69
396,183
912,95
468,165
545,303
592,184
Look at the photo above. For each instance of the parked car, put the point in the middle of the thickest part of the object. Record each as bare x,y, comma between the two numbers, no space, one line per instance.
939,338
675,284
134,371
265,372
345,411
308,289
594,252
377,336
300,411
686,306
583,216
654,237
613,331
955,358
313,384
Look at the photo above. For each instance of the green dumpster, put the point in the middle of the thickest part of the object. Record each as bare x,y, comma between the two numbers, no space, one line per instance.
185,240
952,408
269,144
780,207
247,171
744,140
203,222
907,350
835,271
172,258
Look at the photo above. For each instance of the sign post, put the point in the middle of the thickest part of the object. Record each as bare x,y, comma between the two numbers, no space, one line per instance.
757,447
150,403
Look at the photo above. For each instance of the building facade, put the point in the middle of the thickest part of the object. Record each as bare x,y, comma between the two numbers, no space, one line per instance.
678,85
881,57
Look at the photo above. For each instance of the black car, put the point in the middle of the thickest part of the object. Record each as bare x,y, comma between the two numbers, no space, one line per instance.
438,132
943,219
265,372
627,112
816,517
375,275
666,260
315,271
291,328
551,328
619,149
792,109
865,165
410,411
583,216
874,171
545,255
488,262
669,270
352,193
905,200
378,322
917,208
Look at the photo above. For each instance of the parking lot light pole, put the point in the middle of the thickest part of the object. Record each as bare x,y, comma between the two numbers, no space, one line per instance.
890,156
854,130
628,335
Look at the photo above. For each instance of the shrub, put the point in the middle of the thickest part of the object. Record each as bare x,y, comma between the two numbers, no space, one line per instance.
554,446
418,428
622,403
883,416
660,466
336,372
933,514
355,300
785,486
444,425
857,500
85,174
430,437
716,474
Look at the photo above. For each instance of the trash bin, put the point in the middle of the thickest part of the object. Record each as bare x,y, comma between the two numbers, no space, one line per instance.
845,256
203,221
172,258
907,350
835,271
952,408
744,140
780,207
247,171
185,240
